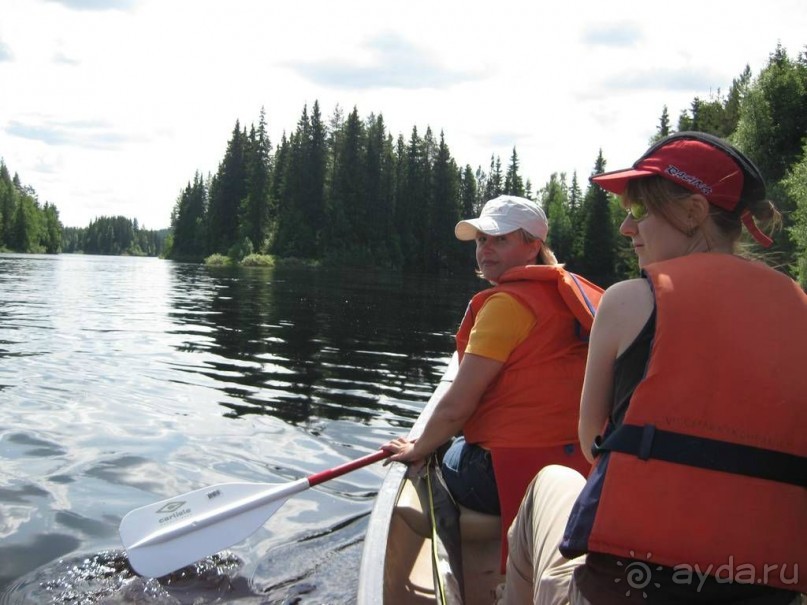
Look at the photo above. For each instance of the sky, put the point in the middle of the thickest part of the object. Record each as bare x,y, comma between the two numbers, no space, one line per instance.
109,107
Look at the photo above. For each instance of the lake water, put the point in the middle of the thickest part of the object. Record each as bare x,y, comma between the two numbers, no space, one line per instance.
124,381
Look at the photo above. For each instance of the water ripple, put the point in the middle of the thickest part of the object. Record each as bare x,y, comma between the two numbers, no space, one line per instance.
130,380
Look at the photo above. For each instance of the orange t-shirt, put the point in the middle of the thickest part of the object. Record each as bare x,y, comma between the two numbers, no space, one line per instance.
502,324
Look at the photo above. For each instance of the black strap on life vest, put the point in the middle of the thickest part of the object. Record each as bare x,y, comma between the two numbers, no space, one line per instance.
646,442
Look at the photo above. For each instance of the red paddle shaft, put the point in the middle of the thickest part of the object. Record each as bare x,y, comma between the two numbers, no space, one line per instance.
342,469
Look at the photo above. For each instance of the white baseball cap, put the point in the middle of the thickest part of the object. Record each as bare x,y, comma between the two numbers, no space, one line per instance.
503,215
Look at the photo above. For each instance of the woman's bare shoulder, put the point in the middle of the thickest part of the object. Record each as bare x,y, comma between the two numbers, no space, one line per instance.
628,292
624,310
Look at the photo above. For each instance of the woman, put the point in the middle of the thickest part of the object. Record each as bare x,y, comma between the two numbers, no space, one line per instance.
522,356
692,407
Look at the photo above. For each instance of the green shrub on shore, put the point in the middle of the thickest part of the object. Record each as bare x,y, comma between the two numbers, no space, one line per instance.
218,260
258,260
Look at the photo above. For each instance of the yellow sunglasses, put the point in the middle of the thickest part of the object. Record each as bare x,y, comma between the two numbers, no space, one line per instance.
637,211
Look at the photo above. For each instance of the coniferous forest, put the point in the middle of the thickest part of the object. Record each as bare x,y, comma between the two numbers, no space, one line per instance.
25,225
344,190
114,235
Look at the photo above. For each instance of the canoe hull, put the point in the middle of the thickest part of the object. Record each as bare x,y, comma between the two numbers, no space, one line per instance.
396,566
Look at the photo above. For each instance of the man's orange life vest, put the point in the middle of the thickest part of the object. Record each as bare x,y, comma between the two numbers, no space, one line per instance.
535,399
708,471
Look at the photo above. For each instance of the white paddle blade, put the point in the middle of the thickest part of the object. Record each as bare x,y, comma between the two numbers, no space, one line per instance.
170,534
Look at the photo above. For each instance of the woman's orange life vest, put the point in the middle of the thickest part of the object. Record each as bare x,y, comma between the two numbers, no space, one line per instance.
535,399
708,471
527,417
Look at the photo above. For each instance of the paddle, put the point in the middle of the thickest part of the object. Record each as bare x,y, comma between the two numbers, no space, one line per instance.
164,536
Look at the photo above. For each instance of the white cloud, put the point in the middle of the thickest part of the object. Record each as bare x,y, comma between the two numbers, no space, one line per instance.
97,5
84,133
109,107
386,61
626,34
5,52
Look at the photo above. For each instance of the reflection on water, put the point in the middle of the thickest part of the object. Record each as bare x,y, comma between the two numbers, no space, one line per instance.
298,344
128,380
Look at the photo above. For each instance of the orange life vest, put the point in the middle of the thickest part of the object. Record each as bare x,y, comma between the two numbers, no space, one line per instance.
528,416
708,471
535,399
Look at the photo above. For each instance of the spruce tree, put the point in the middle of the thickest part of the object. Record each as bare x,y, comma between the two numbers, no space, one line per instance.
26,225
277,189
555,202
469,195
411,191
51,239
663,128
379,191
228,189
494,187
8,205
513,183
293,236
441,244
398,180
577,220
348,227
188,221
685,122
316,150
469,207
423,202
599,242
301,203
737,91
255,211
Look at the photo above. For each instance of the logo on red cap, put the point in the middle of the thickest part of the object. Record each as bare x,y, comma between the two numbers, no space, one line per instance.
694,181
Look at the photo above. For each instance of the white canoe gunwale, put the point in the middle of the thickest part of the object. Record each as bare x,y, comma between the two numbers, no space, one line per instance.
395,565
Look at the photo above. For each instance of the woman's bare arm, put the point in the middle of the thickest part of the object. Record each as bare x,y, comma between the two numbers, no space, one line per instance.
474,375
624,310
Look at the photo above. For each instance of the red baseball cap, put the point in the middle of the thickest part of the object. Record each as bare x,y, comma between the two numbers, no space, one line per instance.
703,164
